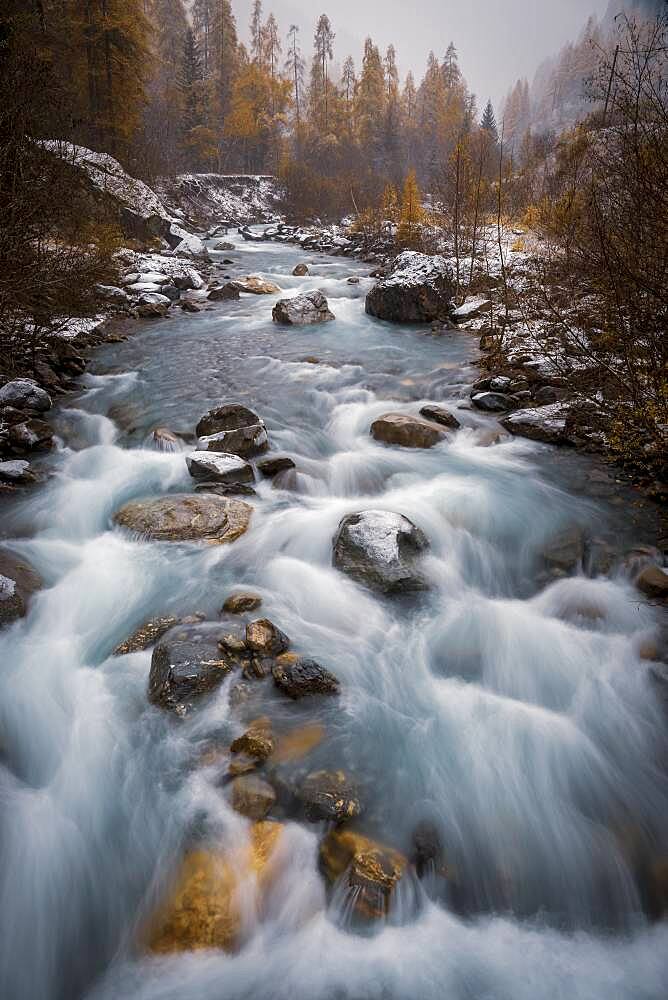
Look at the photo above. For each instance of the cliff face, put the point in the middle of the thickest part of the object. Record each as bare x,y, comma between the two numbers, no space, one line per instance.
215,198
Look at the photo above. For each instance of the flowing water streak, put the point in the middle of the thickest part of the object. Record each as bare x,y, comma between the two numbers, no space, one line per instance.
525,729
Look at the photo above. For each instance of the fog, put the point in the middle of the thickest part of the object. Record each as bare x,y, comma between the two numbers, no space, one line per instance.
497,40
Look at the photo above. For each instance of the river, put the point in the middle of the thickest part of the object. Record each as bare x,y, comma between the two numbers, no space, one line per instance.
497,706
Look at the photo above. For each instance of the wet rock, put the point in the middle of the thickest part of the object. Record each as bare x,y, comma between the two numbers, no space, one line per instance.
417,289
204,907
653,581
256,742
171,292
428,854
17,472
164,440
298,743
252,796
112,294
24,394
225,489
302,310
492,402
370,870
380,549
181,517
187,305
353,281
304,677
237,604
545,423
243,441
152,304
439,415
300,270
255,285
188,662
407,431
270,467
264,638
548,395
30,435
18,582
227,417
218,467
565,550
224,293
146,635
223,245
329,795
188,280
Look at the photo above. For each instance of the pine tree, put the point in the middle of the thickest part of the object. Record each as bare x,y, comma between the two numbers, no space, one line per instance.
323,41
411,215
225,55
371,100
450,69
257,33
272,52
203,12
488,122
294,68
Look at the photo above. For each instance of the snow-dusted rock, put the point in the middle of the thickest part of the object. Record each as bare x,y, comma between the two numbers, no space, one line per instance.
545,423
492,402
24,394
302,310
224,199
223,293
155,277
470,308
152,304
380,549
188,279
16,471
244,441
110,293
223,245
140,287
18,582
418,289
219,467
256,285
185,244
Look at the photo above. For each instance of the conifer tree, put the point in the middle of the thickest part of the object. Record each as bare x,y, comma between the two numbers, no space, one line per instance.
411,214
294,67
451,72
257,33
323,42
488,122
348,85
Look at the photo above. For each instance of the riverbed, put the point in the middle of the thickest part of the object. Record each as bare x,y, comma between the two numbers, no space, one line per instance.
507,707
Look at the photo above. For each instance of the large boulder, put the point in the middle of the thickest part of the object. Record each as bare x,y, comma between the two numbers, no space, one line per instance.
545,423
18,582
227,417
370,871
418,289
190,661
302,310
255,285
380,549
24,394
183,517
224,293
218,467
152,304
242,441
407,431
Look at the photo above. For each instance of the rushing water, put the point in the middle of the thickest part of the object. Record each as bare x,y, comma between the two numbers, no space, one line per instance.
526,728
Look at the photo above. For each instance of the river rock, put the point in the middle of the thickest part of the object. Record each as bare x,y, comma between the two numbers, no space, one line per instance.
112,294
470,308
227,417
256,285
369,870
300,270
237,604
30,435
24,394
417,289
204,909
302,310
492,402
243,441
223,293
265,639
653,581
256,742
252,796
329,795
18,582
565,551
380,549
223,245
162,439
218,467
303,677
271,466
439,415
187,305
188,280
146,635
182,517
544,423
152,304
190,661
17,472
407,431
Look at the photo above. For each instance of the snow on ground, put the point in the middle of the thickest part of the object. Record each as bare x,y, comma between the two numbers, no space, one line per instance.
237,198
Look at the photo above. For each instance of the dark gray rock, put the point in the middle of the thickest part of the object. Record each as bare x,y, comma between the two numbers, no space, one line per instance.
439,415
190,661
227,417
418,289
303,310
304,677
218,467
24,394
381,550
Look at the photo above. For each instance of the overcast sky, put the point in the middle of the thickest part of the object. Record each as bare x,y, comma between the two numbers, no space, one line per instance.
498,40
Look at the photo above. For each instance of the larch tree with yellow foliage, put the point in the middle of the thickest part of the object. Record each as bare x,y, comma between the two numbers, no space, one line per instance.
412,214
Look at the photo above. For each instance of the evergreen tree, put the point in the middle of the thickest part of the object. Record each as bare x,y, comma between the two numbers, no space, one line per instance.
371,100
323,41
488,122
257,33
450,69
294,68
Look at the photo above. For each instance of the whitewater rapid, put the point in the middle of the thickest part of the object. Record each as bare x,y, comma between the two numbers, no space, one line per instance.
526,728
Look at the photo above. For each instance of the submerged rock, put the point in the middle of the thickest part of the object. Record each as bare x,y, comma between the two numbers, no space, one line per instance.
300,270
270,467
205,908
329,795
418,289
439,415
237,604
653,581
163,439
302,310
380,549
407,431
303,677
369,870
219,467
256,742
565,550
265,639
188,662
252,796
182,517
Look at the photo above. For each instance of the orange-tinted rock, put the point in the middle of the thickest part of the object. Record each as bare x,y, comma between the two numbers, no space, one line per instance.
371,870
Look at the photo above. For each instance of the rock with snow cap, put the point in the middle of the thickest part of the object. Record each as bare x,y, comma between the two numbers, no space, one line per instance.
544,423
24,394
219,467
417,289
152,304
302,310
381,549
